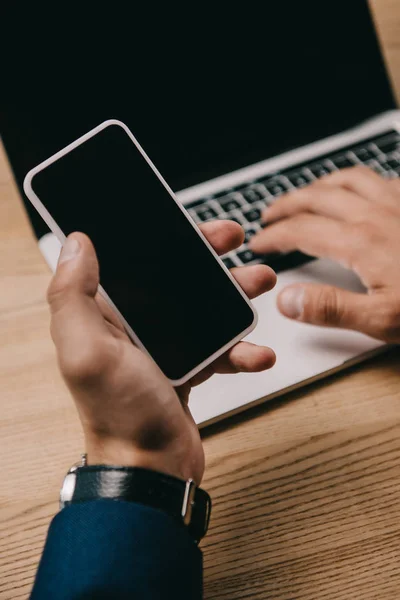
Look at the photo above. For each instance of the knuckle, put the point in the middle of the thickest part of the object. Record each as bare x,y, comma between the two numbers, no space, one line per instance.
53,291
367,232
57,291
88,364
80,367
325,307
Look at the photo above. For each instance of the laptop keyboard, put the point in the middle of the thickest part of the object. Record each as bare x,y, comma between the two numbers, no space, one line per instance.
245,202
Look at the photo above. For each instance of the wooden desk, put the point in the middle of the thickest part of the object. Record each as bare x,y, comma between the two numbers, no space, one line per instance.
306,490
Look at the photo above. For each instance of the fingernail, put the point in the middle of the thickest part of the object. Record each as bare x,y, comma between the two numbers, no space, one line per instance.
291,302
69,251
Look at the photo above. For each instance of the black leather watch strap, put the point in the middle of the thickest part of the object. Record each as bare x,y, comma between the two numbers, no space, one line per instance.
182,500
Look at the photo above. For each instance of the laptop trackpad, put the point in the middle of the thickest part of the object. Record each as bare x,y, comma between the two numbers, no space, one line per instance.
303,351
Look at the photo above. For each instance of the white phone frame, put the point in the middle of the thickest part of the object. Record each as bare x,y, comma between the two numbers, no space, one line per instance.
46,216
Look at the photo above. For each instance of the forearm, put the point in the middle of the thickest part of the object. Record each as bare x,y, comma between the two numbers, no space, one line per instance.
115,549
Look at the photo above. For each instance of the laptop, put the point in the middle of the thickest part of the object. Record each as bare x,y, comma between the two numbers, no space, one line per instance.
263,108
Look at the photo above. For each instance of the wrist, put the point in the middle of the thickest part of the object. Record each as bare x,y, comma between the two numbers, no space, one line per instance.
183,501
113,452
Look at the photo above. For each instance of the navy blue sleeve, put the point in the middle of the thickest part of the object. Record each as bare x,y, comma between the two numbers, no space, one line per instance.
111,549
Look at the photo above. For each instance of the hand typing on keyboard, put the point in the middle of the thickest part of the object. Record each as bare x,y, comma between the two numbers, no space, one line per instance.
353,217
245,202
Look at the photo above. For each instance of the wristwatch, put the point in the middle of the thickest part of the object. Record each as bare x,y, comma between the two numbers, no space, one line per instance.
182,500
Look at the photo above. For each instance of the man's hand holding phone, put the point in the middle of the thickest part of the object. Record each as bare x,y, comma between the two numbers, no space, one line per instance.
130,412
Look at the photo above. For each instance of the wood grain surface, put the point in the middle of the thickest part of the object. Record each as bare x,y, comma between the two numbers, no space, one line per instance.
306,489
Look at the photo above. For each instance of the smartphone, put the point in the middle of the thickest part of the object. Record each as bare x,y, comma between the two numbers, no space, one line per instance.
177,300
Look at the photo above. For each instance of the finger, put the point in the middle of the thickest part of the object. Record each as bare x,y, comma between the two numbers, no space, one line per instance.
362,181
223,236
329,201
242,358
311,234
333,307
245,358
255,280
76,321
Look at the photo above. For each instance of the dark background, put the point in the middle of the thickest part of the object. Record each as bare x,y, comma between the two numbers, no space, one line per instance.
204,92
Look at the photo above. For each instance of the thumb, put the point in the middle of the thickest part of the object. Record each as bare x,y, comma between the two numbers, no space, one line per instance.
76,322
328,306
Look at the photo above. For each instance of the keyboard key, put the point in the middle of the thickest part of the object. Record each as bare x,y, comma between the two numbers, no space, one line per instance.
220,194
342,162
248,234
246,256
228,262
252,215
375,166
236,221
252,195
298,179
389,165
242,186
193,214
283,262
194,204
276,261
206,214
388,145
363,154
229,204
393,164
276,188
319,170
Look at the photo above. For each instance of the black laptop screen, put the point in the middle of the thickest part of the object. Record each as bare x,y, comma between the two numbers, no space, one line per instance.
207,93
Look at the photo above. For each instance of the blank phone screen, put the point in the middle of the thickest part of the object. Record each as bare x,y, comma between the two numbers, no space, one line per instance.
153,265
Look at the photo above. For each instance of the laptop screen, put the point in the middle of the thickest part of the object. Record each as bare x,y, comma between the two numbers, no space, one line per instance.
212,96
